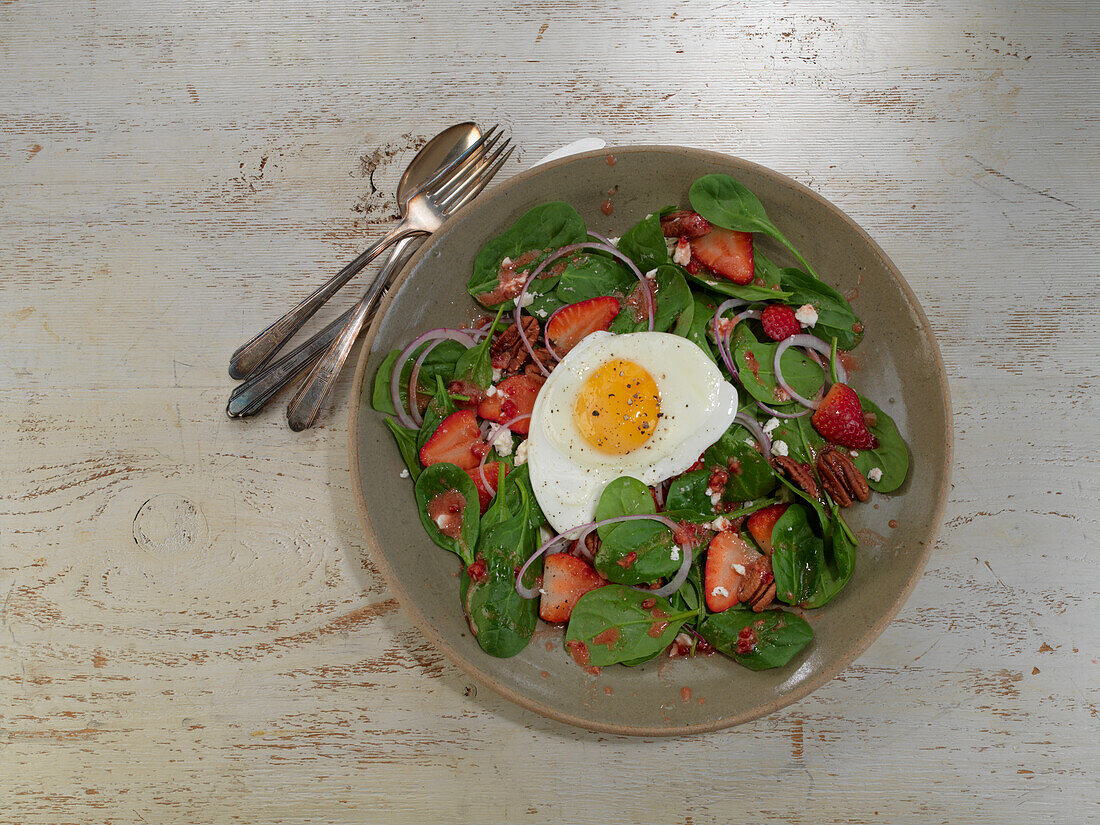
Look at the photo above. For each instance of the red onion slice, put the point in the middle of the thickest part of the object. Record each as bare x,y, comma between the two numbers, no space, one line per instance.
810,342
753,426
779,414
442,334
723,337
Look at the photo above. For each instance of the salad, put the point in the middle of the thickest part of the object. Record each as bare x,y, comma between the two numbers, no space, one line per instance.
651,439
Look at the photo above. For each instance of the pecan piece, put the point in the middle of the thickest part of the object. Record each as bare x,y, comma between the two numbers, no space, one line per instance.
543,356
592,544
508,353
757,585
840,477
684,224
799,473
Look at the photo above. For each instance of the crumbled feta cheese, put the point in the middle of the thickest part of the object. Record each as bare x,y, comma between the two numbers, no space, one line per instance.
540,312
614,241
491,391
521,453
771,425
527,299
779,447
875,474
651,275
405,473
718,525
682,255
854,453
806,315
440,521
715,498
507,262
719,591
750,442
675,555
670,245
497,374
501,443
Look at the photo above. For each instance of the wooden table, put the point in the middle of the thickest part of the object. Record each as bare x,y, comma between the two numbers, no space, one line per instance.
192,630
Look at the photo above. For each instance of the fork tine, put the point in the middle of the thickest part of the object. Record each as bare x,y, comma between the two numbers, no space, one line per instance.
480,183
470,166
484,171
444,174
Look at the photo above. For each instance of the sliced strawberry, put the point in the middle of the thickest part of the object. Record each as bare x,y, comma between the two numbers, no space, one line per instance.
513,396
565,579
762,522
488,488
572,323
726,253
840,419
685,224
779,322
728,559
457,440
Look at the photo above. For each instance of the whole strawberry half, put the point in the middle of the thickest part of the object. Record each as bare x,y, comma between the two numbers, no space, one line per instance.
779,322
840,419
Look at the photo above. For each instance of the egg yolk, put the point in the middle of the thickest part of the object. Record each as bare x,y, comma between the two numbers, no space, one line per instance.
618,407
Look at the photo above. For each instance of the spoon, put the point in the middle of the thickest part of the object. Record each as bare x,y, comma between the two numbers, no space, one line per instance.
251,395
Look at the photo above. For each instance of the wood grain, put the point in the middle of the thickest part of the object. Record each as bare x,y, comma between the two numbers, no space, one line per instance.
191,628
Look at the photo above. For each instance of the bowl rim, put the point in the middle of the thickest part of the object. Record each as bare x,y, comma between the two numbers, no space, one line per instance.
804,688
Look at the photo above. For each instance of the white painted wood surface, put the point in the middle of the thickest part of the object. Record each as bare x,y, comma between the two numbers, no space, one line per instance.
191,629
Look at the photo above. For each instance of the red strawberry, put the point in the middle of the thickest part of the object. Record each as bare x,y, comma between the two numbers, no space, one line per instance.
565,579
513,396
762,522
726,253
485,493
457,440
779,322
840,419
572,323
722,577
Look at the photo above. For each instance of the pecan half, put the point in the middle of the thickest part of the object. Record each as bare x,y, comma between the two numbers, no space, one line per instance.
799,473
757,585
532,369
840,477
508,352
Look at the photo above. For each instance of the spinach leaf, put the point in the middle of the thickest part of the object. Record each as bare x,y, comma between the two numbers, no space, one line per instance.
797,557
474,364
644,243
835,318
837,566
688,493
802,440
544,228
725,202
614,627
502,620
815,503
438,479
756,478
439,363
770,639
654,552
500,509
746,292
891,456
755,368
701,314
766,271
672,300
590,275
406,445
439,408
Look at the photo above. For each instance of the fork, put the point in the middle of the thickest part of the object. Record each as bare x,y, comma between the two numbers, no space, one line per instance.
445,191
310,397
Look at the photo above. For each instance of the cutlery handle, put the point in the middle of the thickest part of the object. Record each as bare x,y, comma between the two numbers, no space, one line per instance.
248,358
307,401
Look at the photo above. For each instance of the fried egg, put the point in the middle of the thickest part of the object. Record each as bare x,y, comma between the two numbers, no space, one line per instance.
644,404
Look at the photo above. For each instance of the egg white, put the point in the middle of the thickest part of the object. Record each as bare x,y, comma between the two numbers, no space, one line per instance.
697,406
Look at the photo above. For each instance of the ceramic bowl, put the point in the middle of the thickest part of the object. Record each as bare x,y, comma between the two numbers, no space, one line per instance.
899,367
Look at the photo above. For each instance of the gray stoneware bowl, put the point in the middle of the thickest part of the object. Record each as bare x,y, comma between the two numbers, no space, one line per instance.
900,369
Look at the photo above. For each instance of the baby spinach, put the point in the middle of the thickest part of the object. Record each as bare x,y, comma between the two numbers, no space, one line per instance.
775,636
755,368
614,626
544,228
835,318
474,364
802,440
702,312
746,292
644,243
440,478
837,565
727,203
590,275
406,445
655,554
756,478
891,455
766,271
439,363
673,298
687,493
797,557
502,620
